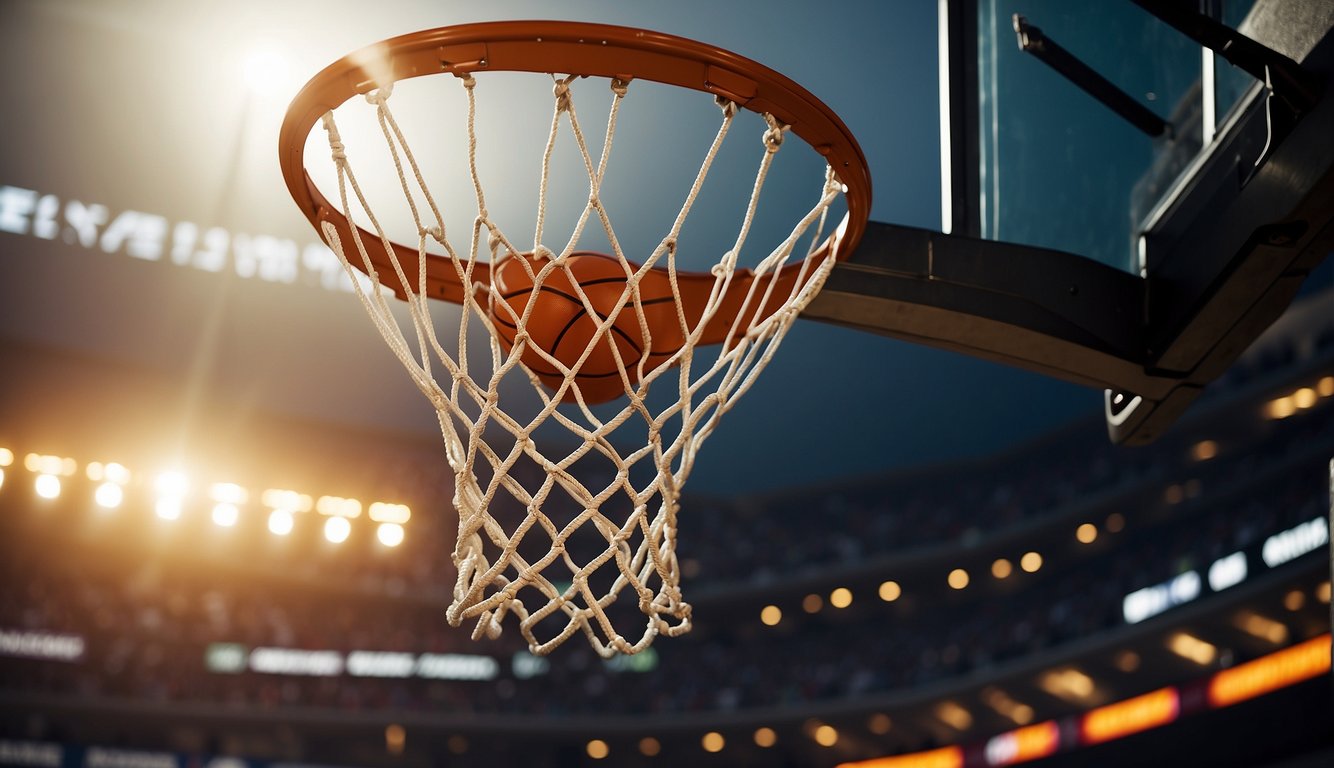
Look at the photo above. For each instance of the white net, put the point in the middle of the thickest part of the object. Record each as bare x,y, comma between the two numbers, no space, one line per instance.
563,548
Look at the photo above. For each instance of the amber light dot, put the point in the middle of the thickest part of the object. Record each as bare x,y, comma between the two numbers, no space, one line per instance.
1294,600
771,615
879,724
765,737
713,742
812,603
649,746
890,591
841,597
1030,562
958,578
1086,533
1116,522
598,749
1002,568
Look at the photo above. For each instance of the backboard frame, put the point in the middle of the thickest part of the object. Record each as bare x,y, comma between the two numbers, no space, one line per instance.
1222,256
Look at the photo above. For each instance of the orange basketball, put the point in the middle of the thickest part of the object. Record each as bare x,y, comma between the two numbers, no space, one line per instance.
561,326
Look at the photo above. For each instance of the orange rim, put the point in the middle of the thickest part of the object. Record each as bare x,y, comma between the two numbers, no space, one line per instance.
571,48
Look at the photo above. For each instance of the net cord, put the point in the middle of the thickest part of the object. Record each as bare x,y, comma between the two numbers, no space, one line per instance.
493,578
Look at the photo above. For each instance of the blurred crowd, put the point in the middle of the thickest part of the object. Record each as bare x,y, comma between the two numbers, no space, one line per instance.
148,619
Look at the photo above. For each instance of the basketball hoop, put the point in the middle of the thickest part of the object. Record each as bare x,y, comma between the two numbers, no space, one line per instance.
582,327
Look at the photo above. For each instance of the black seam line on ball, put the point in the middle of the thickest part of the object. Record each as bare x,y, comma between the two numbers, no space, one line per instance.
643,303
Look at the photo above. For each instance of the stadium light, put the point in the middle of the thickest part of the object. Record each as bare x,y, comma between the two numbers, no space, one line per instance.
1002,568
1205,450
1127,661
770,615
954,715
1190,647
958,578
879,724
6,457
1030,562
598,749
382,512
1263,628
277,498
713,742
649,746
1086,533
225,515
337,506
812,603
841,597
890,591
281,522
395,738
266,71
47,486
765,737
390,534
1068,683
109,495
337,529
826,736
171,490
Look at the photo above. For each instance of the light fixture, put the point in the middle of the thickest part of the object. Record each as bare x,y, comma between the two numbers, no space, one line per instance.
47,486
958,578
598,749
770,615
109,495
390,534
1030,562
1188,646
337,529
890,591
281,522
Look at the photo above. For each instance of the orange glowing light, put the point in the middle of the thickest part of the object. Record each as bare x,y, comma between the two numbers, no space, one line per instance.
1123,718
945,757
1269,673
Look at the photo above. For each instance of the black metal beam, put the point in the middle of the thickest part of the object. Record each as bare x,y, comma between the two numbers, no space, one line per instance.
1033,40
1301,89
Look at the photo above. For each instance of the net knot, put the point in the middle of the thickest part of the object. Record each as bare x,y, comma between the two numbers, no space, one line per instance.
619,86
336,148
380,95
725,266
562,91
773,138
728,106
468,80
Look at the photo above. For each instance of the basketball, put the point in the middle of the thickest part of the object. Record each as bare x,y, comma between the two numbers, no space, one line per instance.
561,326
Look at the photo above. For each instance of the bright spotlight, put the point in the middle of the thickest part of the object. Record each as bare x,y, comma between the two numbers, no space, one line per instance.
266,71
108,495
281,522
172,485
168,509
225,514
390,534
6,457
48,486
337,529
